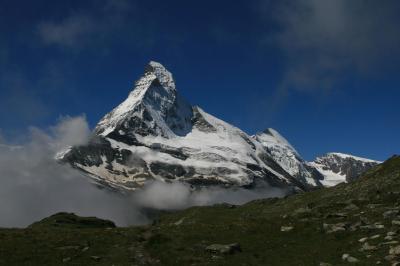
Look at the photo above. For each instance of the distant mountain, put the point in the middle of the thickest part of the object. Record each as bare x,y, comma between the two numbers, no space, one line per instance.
328,170
288,158
156,134
338,167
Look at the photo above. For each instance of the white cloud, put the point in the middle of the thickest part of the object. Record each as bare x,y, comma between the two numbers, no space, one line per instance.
72,131
33,185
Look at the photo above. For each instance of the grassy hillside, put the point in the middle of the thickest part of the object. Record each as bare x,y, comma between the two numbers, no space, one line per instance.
360,219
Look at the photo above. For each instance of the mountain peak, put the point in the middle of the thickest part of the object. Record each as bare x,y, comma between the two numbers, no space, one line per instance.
157,71
152,107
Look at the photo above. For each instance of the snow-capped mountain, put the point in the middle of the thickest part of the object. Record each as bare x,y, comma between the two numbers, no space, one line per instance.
156,134
328,170
338,167
288,158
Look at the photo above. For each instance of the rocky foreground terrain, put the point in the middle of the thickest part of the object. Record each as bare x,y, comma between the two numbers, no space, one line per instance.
355,223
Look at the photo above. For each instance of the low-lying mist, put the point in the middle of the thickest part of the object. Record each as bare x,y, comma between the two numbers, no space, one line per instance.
33,185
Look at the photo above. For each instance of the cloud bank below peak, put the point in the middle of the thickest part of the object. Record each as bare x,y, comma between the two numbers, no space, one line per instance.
34,185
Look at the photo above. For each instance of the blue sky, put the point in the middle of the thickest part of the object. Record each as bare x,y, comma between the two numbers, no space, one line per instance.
325,73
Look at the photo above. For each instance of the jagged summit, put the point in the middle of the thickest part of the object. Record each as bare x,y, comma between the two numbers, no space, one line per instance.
153,107
161,74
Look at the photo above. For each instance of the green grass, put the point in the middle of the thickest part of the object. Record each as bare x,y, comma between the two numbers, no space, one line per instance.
180,238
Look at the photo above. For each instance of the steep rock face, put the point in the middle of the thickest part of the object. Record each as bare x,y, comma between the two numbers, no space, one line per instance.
339,167
287,157
154,107
156,134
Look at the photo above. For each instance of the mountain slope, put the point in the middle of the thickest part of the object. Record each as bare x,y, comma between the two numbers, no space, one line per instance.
360,219
288,158
156,134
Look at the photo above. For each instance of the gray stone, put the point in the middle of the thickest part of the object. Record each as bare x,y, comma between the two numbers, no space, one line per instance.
180,221
390,257
373,226
368,247
286,228
224,249
351,207
394,250
375,237
96,258
390,214
390,243
336,215
333,228
350,259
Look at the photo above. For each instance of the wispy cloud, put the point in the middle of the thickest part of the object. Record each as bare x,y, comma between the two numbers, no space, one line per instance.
323,44
70,32
85,27
324,39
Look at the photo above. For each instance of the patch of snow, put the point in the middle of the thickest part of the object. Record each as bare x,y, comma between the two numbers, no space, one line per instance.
60,155
285,155
343,155
330,178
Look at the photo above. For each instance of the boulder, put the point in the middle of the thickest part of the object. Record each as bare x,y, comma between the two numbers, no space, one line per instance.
350,259
390,214
368,247
224,249
394,250
286,228
333,228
